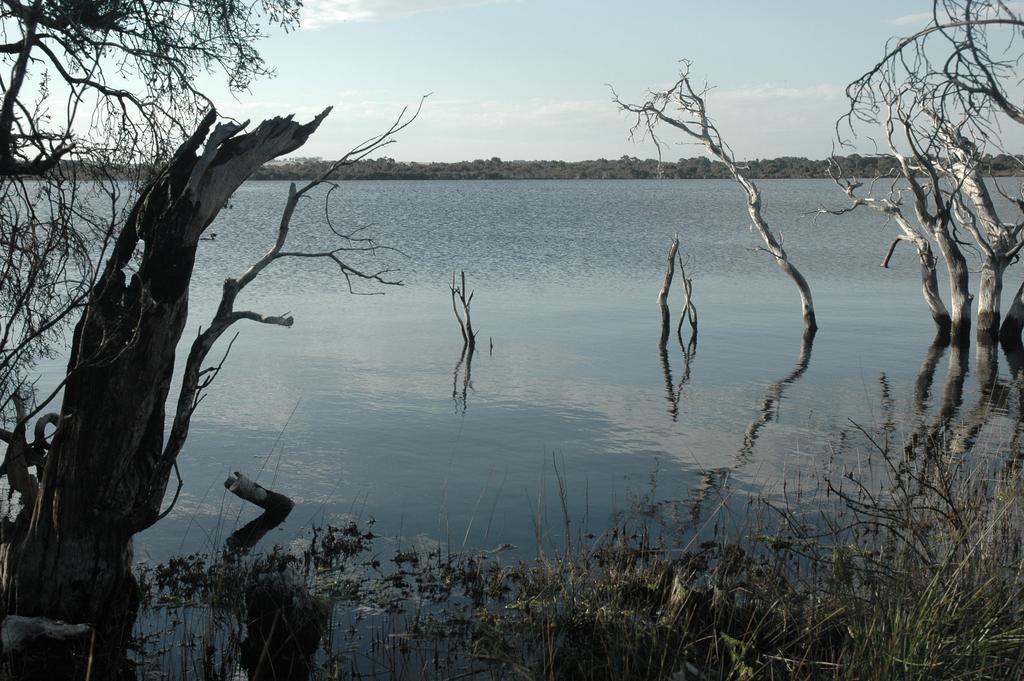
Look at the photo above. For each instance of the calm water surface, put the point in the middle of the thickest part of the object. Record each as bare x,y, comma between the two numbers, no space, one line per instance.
357,409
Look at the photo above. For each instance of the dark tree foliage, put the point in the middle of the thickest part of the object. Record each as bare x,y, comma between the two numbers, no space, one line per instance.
101,90
119,75
625,168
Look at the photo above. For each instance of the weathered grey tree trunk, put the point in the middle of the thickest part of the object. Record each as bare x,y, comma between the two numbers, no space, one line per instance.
959,288
932,298
690,116
917,234
670,265
69,554
990,292
976,212
464,298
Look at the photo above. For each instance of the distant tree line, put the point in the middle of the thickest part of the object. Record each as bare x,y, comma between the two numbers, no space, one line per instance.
624,168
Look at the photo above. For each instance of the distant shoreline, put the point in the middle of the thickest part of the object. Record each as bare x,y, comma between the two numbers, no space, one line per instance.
625,168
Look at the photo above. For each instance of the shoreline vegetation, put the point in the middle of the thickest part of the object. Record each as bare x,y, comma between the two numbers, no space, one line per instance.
907,573
625,168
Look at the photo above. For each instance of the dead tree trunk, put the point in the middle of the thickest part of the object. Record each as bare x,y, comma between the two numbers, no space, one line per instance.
972,204
690,117
69,554
891,206
990,292
461,299
670,264
959,289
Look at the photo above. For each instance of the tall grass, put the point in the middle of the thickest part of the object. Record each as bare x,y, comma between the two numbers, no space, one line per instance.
909,568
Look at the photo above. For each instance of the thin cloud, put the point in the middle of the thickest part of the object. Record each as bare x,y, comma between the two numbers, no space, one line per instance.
320,13
923,18
768,91
907,19
466,112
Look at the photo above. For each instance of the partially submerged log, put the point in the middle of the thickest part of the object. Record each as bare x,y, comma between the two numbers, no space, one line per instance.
275,505
18,632
269,500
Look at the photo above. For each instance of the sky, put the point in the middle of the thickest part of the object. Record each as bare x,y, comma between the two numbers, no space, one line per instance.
529,79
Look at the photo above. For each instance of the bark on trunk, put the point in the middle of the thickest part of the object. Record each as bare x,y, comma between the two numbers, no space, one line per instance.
959,289
990,291
460,297
670,266
930,290
69,556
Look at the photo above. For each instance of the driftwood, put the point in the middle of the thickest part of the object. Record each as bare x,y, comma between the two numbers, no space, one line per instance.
18,632
269,500
275,505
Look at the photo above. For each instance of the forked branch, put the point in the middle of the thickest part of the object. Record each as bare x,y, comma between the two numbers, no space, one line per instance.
461,299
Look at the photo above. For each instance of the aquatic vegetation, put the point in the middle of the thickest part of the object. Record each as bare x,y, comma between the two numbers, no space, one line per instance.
912,573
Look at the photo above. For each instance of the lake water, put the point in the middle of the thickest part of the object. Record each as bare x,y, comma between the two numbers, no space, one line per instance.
357,410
